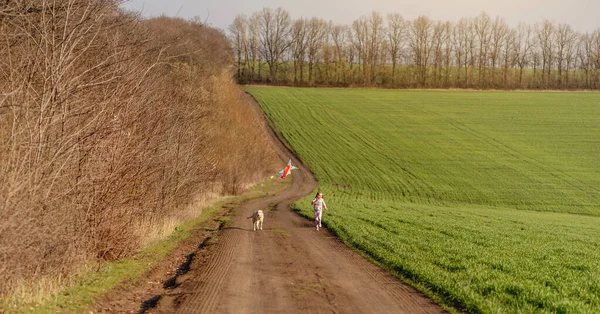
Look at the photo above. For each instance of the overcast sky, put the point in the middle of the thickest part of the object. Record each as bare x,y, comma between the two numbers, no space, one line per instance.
582,15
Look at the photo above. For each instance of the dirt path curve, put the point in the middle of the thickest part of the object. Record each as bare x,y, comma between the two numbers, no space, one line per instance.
289,267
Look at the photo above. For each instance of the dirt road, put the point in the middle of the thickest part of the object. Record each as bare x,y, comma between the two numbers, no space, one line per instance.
288,267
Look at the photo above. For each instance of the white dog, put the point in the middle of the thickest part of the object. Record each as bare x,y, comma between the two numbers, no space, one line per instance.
257,219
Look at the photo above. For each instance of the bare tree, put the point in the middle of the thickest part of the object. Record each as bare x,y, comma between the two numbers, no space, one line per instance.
498,33
238,32
274,33
462,40
565,39
589,54
339,36
545,39
437,42
352,56
421,46
375,41
328,57
482,25
596,56
448,49
396,33
299,38
536,62
254,45
508,54
359,38
316,36
570,57
523,45
585,54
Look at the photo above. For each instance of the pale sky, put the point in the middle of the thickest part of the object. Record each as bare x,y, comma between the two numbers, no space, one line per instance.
582,15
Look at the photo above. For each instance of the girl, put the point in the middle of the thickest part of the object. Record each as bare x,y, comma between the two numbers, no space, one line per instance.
318,205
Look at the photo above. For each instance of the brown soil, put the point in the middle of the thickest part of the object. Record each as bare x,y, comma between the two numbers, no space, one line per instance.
288,267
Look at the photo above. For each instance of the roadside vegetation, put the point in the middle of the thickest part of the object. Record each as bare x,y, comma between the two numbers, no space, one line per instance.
113,130
83,289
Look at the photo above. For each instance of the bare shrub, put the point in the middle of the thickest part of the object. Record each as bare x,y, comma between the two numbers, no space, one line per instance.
109,122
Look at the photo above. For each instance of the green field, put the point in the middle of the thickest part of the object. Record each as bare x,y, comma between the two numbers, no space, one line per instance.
486,201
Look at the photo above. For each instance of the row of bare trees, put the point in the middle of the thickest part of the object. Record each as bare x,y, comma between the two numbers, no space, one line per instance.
109,125
390,51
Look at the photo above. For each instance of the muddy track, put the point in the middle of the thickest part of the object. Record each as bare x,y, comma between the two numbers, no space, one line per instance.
288,267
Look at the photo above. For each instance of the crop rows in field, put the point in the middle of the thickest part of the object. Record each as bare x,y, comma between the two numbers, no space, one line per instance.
486,201
478,259
532,151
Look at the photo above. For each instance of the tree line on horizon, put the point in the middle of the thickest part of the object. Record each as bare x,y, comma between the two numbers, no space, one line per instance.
390,51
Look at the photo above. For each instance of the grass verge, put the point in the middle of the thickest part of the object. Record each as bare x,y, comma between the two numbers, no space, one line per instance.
98,279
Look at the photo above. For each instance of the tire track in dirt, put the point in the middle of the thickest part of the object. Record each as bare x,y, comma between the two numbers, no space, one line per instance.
287,267
212,277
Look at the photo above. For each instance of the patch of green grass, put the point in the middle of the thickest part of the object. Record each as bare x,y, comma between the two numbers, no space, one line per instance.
282,232
100,278
224,220
486,201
